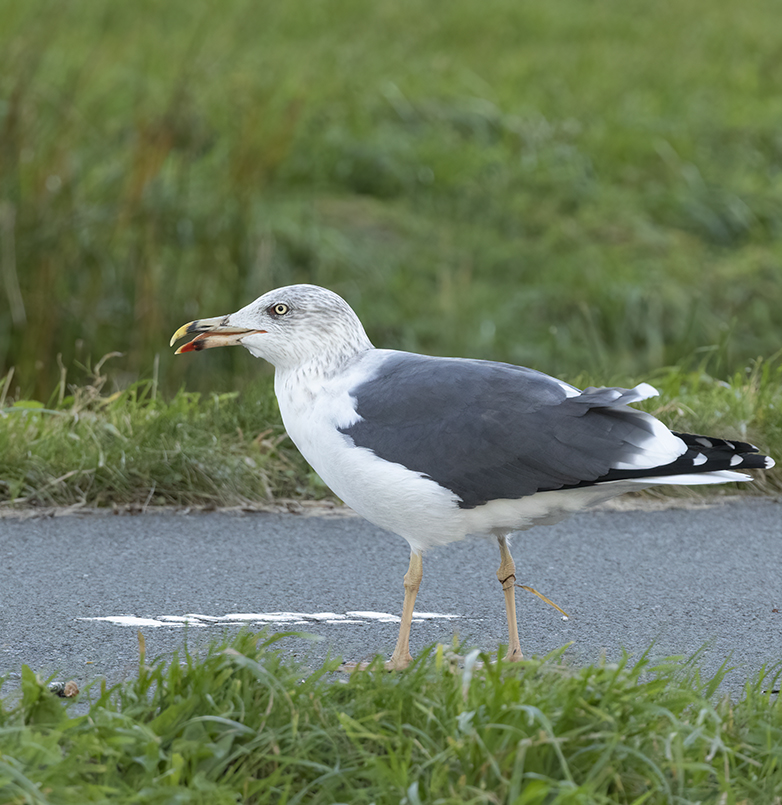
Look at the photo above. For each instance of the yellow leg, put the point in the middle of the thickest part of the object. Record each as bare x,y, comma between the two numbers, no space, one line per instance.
401,657
507,576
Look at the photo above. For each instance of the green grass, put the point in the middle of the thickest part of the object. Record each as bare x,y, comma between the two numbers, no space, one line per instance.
241,724
592,189
135,448
574,186
89,447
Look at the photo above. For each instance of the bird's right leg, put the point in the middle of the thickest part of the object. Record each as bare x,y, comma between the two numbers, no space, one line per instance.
401,657
507,576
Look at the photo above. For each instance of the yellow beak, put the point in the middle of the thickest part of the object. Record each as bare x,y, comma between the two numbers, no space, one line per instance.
210,333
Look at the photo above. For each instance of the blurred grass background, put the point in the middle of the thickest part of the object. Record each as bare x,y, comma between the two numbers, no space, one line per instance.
576,186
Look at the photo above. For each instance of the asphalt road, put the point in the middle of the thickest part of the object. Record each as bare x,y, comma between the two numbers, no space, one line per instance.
680,578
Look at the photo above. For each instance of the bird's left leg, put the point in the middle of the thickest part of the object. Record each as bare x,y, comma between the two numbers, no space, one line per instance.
401,657
507,576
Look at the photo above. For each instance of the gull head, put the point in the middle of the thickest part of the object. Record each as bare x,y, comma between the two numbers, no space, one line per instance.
290,327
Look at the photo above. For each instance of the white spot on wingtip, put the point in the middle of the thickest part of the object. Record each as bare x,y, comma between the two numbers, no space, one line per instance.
699,459
736,460
770,462
704,441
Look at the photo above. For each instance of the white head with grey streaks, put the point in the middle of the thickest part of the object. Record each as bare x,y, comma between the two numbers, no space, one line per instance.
302,327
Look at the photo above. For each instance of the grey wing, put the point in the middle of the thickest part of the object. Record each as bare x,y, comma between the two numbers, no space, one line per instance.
489,430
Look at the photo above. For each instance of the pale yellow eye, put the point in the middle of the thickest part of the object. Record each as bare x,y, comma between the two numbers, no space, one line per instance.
280,309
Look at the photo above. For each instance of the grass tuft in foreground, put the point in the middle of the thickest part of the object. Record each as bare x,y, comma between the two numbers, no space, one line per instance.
242,724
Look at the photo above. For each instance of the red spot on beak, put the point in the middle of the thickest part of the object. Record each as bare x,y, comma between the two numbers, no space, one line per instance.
196,345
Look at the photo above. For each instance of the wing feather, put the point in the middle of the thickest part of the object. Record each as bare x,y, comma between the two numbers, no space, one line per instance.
489,430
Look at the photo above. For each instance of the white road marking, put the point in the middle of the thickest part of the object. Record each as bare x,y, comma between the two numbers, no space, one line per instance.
132,620
293,618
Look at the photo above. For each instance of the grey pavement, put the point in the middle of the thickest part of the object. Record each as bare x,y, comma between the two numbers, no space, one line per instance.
680,578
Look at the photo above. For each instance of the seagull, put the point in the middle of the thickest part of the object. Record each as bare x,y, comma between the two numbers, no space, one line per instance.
438,449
